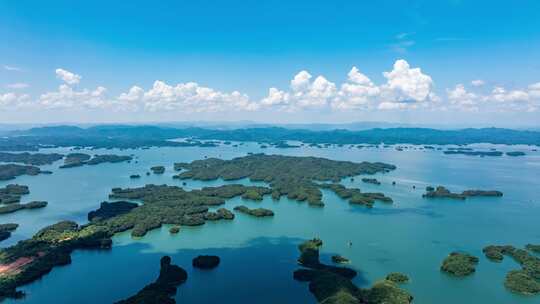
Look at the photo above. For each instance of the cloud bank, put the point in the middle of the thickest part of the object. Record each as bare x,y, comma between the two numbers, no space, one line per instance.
404,88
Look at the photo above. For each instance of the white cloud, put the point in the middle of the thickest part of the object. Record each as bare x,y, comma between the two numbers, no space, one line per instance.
17,86
407,85
478,83
462,99
13,100
67,97
12,68
188,97
68,77
500,94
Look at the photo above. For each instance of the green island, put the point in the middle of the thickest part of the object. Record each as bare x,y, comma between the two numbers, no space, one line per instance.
35,159
30,259
12,193
81,159
459,264
10,171
258,212
442,192
294,177
333,285
525,280
162,290
17,206
6,230
474,153
355,196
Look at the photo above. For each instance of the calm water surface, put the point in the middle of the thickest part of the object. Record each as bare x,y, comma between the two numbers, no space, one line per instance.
412,236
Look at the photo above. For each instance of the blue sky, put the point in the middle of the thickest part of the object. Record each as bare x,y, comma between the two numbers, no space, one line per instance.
251,46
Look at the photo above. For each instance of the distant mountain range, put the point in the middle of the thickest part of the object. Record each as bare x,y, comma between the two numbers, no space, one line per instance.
125,136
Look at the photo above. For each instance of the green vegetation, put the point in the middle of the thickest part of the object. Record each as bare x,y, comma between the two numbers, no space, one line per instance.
16,207
459,264
295,177
30,259
206,261
442,192
398,278
75,160
355,196
12,193
220,214
6,229
162,290
134,176
258,212
332,285
174,229
81,159
10,171
533,248
147,136
37,159
109,210
527,279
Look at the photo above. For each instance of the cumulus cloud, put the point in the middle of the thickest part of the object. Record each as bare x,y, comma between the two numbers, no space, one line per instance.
17,86
404,87
189,97
13,100
67,97
67,76
461,98
406,84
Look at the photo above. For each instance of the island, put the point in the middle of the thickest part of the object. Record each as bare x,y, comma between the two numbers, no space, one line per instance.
258,212
533,248
442,192
30,259
81,159
10,171
355,196
6,230
162,290
158,169
220,214
515,153
525,280
17,206
333,285
371,181
294,177
474,153
206,261
35,159
459,264
12,193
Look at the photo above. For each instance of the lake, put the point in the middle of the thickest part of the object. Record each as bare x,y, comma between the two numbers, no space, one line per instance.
258,255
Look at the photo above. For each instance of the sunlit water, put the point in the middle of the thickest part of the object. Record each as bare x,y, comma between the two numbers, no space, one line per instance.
412,236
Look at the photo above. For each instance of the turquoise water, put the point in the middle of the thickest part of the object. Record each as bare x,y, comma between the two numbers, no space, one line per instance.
412,236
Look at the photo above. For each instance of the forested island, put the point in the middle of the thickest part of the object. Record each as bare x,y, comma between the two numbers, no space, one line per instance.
442,192
333,285
81,159
10,171
295,177
35,159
